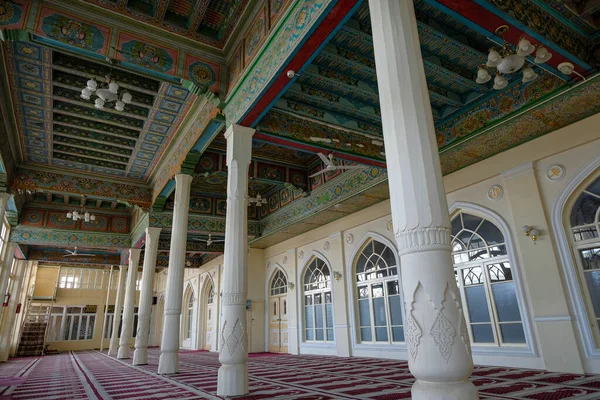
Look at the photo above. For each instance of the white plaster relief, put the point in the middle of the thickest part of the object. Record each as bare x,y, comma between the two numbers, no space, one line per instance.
326,246
423,239
350,238
300,255
234,298
413,332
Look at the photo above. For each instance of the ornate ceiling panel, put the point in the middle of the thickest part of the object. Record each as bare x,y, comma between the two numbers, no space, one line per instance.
58,128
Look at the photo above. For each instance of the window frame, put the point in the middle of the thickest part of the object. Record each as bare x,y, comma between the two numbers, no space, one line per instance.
303,293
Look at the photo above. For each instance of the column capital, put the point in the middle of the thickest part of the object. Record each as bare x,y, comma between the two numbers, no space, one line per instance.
134,252
153,232
183,179
239,144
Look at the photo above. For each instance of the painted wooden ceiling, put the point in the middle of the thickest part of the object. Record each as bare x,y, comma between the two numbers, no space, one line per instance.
333,102
208,21
58,128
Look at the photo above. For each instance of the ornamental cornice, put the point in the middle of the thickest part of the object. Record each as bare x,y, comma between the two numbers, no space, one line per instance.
423,239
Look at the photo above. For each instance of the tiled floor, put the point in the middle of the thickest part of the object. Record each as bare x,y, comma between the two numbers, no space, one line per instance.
94,375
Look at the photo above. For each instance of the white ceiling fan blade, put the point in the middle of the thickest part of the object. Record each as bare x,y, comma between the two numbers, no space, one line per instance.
326,160
351,167
317,173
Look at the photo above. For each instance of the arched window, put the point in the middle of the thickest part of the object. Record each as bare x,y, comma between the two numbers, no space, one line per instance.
585,225
485,280
211,295
279,283
190,315
318,306
378,294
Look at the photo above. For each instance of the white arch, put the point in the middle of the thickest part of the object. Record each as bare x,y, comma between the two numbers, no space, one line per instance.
202,301
276,268
300,293
575,295
497,220
351,299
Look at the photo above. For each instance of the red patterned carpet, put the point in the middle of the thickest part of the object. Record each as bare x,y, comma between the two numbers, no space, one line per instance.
93,375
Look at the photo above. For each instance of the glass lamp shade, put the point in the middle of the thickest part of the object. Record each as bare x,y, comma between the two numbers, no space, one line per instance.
92,85
493,58
86,217
500,82
92,217
113,87
510,64
119,105
126,98
69,214
75,214
483,75
529,75
99,104
525,47
85,93
542,55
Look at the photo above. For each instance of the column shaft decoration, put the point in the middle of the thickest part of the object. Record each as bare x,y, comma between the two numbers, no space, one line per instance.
169,358
438,343
140,355
129,305
233,355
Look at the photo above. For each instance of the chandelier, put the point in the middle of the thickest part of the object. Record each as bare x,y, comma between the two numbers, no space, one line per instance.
510,59
107,94
257,200
81,214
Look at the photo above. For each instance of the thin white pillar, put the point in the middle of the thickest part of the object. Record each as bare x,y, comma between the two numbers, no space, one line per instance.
140,355
169,347
129,305
439,354
5,272
233,355
108,289
113,347
8,322
3,204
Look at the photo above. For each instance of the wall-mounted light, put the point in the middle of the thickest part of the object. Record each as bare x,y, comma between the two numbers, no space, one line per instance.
337,275
291,285
531,232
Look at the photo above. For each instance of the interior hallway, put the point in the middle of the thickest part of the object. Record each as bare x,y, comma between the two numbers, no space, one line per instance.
94,375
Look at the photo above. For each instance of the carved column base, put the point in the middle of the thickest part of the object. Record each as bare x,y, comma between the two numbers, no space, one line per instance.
124,352
140,356
463,390
113,349
233,380
168,363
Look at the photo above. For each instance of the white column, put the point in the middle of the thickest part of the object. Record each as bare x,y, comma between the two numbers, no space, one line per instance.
140,355
5,272
129,305
233,354
169,347
108,289
439,354
7,326
114,338
3,204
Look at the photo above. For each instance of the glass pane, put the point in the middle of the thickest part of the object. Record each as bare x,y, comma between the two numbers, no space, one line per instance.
594,187
381,334
471,222
393,288
388,256
379,312
476,242
397,334
395,309
363,292
318,298
309,317
366,335
593,283
490,233
472,276
310,334
586,233
584,210
377,290
329,334
75,330
477,304
319,334
364,315
506,302
497,250
512,333
308,300
329,315
319,316
456,225
482,333
327,297
91,325
590,258
360,264
500,272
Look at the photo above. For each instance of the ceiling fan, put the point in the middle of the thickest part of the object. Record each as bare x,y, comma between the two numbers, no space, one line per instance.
330,165
210,240
75,253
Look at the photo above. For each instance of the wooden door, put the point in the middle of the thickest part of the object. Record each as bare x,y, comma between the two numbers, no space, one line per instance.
283,324
278,325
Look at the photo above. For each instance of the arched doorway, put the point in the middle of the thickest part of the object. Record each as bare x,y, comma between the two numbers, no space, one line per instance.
209,317
278,319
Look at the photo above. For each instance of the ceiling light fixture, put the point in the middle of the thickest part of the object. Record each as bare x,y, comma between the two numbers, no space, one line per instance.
257,200
82,213
107,94
509,59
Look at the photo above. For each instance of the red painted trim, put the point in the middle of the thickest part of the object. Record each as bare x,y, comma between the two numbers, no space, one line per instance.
490,21
331,21
316,149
